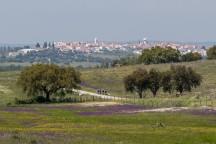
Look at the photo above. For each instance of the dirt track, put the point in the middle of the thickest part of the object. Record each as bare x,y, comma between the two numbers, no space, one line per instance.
109,108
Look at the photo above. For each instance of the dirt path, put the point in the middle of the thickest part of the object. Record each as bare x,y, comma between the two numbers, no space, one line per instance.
172,109
203,109
108,97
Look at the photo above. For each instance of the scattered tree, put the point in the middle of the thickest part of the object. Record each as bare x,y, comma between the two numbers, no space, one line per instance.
184,78
158,55
45,79
167,82
178,78
137,81
154,81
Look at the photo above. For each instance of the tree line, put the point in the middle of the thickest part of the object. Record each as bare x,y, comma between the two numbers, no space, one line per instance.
178,79
157,55
43,80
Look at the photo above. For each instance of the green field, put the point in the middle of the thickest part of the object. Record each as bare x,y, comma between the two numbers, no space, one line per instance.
81,124
54,124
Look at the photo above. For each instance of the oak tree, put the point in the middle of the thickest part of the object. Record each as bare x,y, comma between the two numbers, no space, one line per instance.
46,79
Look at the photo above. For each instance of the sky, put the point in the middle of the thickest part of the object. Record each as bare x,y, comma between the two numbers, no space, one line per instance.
26,21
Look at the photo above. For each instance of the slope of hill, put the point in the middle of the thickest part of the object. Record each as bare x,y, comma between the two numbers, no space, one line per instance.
112,79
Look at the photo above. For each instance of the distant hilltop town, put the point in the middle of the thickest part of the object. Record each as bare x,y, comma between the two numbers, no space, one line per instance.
136,47
101,46
96,52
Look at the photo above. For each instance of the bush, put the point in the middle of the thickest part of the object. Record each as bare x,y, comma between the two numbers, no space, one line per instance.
40,99
211,53
24,101
191,57
125,61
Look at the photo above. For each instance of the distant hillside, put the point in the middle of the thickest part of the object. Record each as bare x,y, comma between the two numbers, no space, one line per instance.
112,79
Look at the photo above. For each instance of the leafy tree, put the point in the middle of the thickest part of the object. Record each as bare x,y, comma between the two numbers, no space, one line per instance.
167,81
171,55
178,78
185,78
146,57
211,52
154,81
191,56
158,55
45,79
137,81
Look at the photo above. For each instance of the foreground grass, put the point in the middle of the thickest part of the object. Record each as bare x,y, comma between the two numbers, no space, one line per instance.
44,124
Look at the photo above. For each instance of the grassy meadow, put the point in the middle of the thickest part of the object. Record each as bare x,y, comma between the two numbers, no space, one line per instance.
54,124
84,123
112,80
8,88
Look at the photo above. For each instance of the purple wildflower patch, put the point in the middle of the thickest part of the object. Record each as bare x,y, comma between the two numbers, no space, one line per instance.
110,110
201,112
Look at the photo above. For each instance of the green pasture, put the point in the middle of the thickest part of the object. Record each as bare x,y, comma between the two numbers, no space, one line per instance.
48,124
42,124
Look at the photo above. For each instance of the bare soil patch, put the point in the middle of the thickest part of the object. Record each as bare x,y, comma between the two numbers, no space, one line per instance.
112,109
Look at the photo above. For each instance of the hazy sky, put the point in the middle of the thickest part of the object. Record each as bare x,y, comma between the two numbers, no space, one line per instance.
23,21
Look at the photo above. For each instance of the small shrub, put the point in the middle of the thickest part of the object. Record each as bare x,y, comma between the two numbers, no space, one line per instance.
40,99
24,101
9,104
